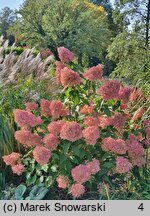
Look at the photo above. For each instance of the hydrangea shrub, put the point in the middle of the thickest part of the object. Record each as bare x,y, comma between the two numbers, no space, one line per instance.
95,127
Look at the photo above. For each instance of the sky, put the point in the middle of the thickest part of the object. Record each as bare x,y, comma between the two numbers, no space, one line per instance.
14,4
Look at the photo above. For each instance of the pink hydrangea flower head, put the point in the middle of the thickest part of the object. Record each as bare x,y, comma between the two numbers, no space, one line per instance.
147,142
59,67
55,127
107,144
21,118
148,133
104,121
81,173
26,119
18,169
91,121
62,182
51,141
45,108
86,109
93,166
146,123
124,94
28,139
118,120
77,190
123,165
109,90
45,53
65,55
118,146
12,159
133,137
31,106
57,109
140,137
135,149
69,78
138,161
92,103
41,155
71,131
91,134
35,121
94,73
123,106
138,114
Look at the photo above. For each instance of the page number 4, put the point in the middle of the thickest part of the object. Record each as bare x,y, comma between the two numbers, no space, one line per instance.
141,207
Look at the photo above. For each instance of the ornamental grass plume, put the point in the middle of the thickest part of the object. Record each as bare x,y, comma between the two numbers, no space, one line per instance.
69,78
12,159
91,134
91,121
109,90
138,114
51,141
27,138
123,165
94,73
41,155
12,64
81,173
55,127
62,181
57,109
136,95
59,67
26,119
45,107
31,106
71,131
77,190
65,55
18,169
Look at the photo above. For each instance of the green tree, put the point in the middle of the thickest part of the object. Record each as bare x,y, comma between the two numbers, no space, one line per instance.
130,49
79,25
7,18
32,12
113,27
107,6
74,28
17,30
134,14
